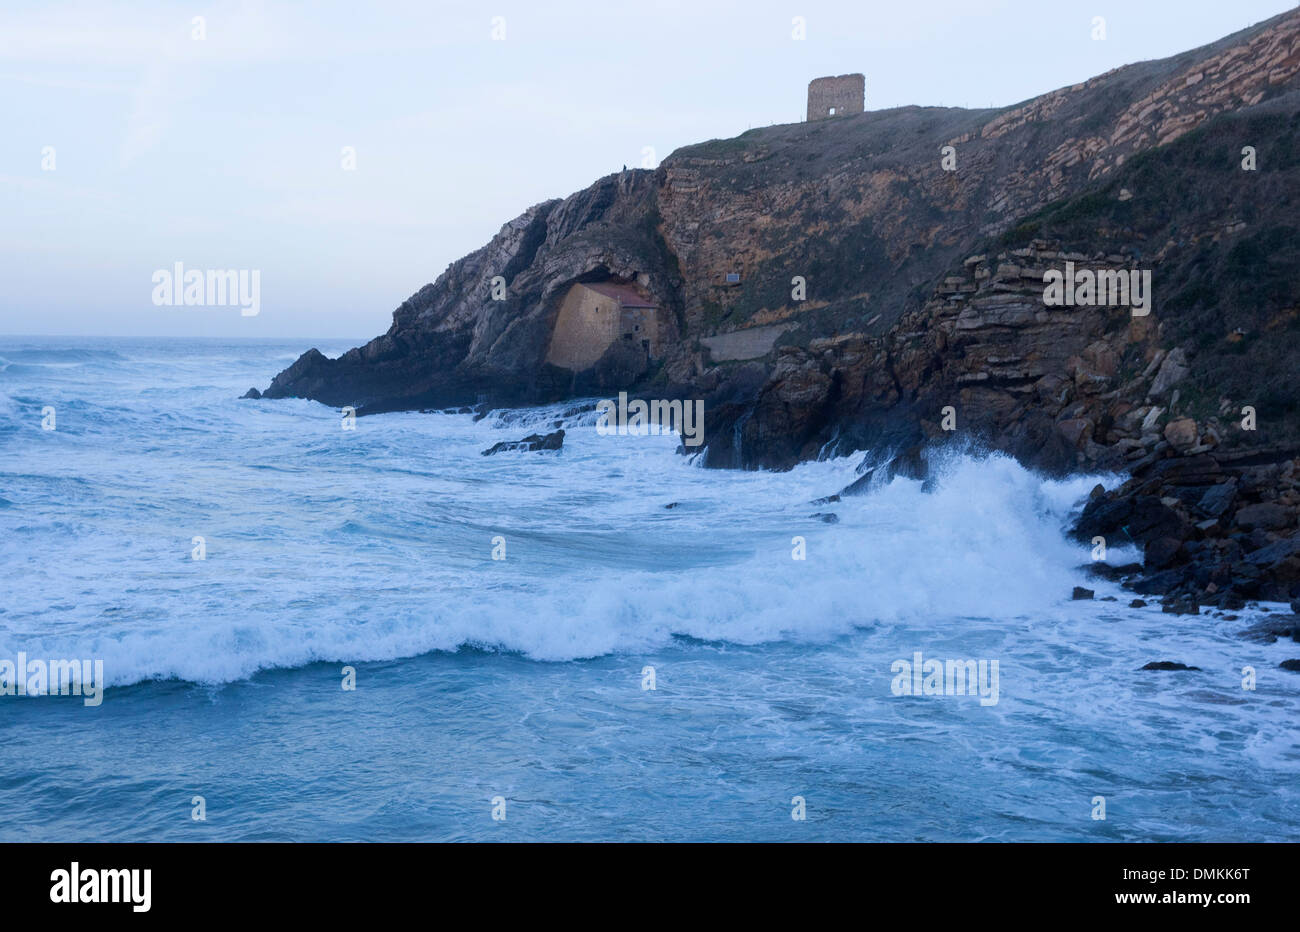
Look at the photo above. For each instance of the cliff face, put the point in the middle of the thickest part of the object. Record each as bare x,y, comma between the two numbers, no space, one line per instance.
860,207
924,286
452,343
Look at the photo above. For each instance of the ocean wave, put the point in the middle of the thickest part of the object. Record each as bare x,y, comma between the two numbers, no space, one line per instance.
983,541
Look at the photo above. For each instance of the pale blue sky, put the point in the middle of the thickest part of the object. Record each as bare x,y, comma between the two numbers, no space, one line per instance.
225,152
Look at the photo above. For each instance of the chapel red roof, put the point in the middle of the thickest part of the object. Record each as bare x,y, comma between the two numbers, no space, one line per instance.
626,295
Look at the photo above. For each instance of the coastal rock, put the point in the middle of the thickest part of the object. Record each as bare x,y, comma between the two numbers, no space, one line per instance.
1267,515
1162,551
1270,629
1168,665
926,320
1173,370
551,441
1112,572
954,316
1281,558
1181,433
1218,499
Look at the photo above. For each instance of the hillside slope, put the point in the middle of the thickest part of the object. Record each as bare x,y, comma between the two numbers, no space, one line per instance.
925,292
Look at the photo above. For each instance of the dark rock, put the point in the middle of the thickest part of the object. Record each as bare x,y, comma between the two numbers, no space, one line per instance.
1181,607
1218,498
1292,665
251,393
1152,518
1168,665
858,486
1273,591
1202,469
1081,593
1211,527
1246,578
1160,583
1162,552
1137,603
825,500
1270,629
1103,518
672,504
1231,600
912,463
552,441
1281,558
827,518
1059,390
1111,572
1268,516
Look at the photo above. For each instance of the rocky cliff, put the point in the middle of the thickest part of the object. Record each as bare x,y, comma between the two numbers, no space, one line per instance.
924,269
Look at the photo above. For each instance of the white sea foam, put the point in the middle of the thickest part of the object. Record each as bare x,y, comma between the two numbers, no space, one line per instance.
607,569
373,544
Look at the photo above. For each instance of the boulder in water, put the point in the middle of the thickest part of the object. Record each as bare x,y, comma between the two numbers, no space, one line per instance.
551,441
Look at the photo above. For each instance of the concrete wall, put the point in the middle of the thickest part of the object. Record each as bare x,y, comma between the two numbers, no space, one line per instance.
845,93
588,322
642,323
585,326
750,343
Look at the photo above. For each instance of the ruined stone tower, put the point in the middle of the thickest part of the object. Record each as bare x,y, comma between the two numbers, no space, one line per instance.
837,96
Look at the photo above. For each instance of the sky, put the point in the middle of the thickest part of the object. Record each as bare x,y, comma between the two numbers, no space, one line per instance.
349,152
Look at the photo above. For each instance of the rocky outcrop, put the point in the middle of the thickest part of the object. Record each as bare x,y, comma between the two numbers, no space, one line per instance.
531,443
901,305
480,332
860,208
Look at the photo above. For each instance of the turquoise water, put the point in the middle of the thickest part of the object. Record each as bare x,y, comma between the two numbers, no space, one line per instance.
522,679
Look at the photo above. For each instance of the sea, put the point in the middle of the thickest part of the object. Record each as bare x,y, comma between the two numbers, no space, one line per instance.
313,628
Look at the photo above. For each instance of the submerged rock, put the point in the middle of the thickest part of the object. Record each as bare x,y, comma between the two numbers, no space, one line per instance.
1168,665
1081,593
1270,629
251,393
1110,571
859,486
552,441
